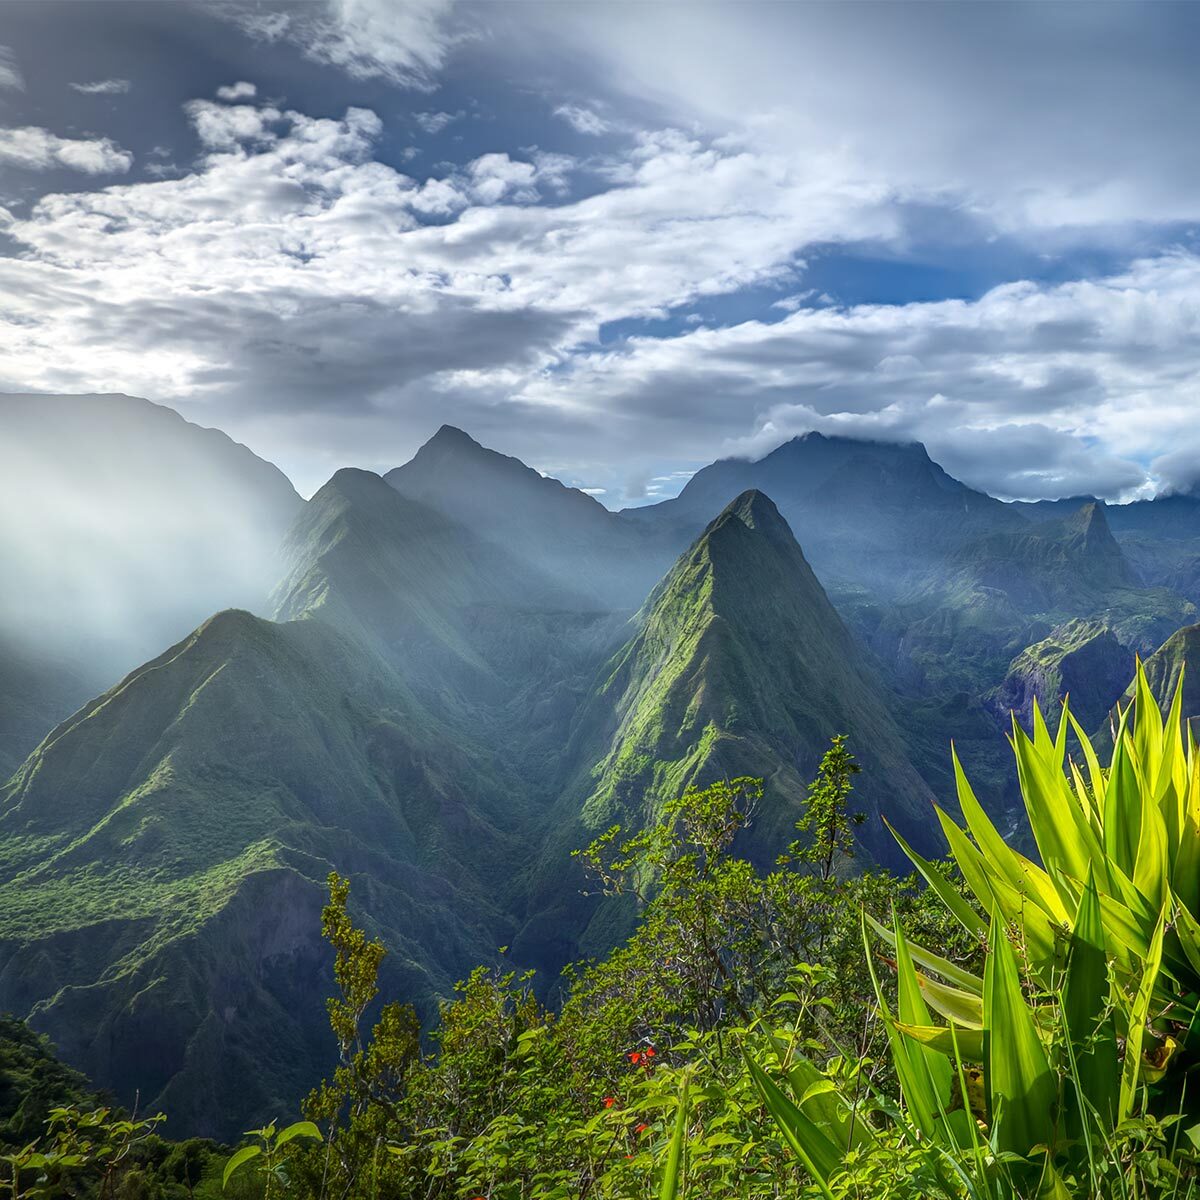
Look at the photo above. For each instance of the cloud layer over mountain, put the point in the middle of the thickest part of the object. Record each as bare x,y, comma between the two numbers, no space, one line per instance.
644,302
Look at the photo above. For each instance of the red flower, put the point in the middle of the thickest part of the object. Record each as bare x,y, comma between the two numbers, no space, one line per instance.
635,1058
649,1051
639,1128
609,1101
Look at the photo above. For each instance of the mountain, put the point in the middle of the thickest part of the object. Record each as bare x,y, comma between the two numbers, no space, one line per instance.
963,625
485,640
870,514
37,690
559,530
1173,515
741,666
1178,655
1065,564
163,851
128,525
1082,659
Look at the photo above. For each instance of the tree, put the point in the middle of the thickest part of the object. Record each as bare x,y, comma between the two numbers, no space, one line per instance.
826,818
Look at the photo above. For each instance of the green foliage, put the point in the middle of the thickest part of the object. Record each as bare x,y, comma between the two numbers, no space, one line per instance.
1064,1068
637,1085
825,819
268,1155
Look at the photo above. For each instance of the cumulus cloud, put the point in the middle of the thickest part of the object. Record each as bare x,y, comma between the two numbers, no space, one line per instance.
582,120
234,92
1031,391
10,73
104,87
38,149
326,307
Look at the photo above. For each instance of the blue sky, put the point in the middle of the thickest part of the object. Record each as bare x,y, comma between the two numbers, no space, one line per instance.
616,239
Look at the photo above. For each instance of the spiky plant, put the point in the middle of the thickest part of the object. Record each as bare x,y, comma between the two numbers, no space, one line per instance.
1083,1023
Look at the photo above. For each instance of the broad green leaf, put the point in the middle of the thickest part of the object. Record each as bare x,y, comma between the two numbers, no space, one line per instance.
1139,1014
944,1040
1062,832
304,1129
820,1155
1122,802
243,1156
1088,1017
932,962
1021,874
963,1008
912,1010
1021,1085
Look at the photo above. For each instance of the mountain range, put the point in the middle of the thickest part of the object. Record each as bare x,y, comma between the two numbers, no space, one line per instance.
441,681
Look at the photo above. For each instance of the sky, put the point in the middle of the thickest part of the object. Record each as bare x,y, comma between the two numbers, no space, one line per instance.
617,240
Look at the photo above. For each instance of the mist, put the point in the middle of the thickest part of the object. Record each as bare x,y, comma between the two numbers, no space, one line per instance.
124,526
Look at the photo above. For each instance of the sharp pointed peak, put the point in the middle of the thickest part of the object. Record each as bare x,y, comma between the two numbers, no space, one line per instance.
451,435
755,509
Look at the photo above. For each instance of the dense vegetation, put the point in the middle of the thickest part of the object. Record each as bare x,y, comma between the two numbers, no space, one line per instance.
450,690
1007,1028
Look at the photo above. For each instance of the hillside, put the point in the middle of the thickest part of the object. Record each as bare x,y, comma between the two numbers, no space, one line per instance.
1082,659
163,853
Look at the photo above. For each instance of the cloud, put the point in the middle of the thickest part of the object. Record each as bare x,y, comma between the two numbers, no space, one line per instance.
582,120
435,122
103,87
1086,131
405,44
1031,391
327,307
234,92
10,74
39,150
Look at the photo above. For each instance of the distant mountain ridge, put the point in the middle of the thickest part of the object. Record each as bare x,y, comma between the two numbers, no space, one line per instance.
562,532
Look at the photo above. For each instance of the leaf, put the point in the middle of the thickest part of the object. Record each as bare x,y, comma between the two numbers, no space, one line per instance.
820,1155
966,915
243,1156
945,1040
304,1129
1021,1084
1088,1017
673,1171
930,961
1139,1014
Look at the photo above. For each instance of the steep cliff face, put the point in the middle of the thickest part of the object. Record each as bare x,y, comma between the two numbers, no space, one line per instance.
1082,659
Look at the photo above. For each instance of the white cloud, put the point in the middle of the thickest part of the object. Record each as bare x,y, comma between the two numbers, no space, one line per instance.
1035,117
435,122
39,150
404,43
329,308
582,120
10,74
234,92
103,87
221,126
